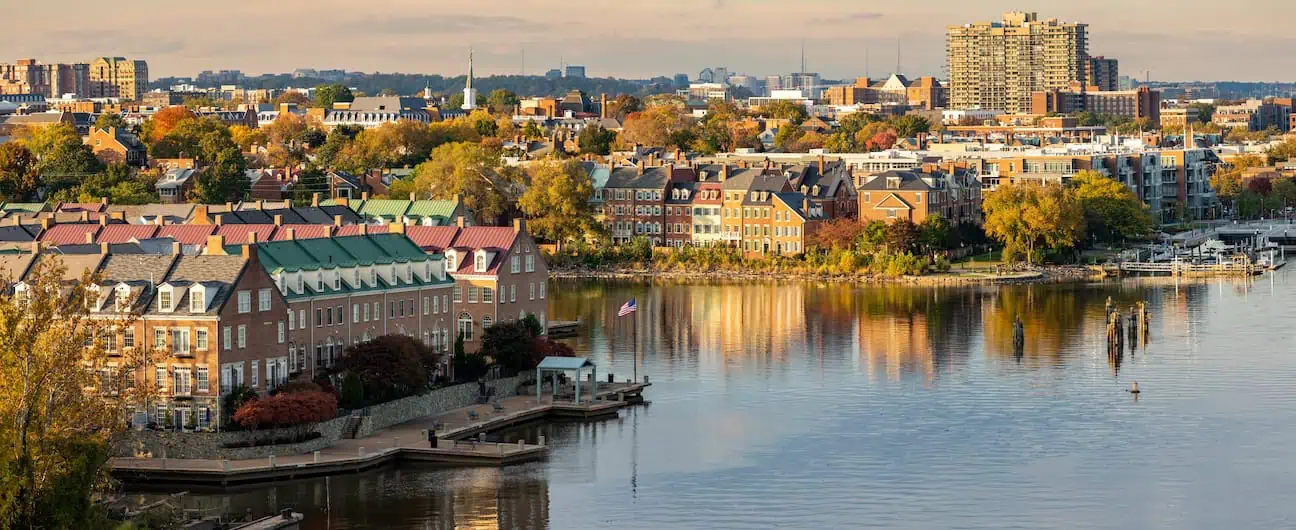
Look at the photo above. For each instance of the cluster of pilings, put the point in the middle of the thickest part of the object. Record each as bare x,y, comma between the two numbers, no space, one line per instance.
1135,326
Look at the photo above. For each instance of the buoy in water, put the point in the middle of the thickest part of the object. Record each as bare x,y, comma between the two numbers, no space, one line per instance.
1133,388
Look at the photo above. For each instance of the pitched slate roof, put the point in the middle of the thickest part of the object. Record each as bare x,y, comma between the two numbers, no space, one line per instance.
126,267
119,233
631,178
212,271
19,233
76,264
796,202
144,213
188,234
472,238
909,181
14,266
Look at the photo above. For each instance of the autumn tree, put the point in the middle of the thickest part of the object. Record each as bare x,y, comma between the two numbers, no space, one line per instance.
659,126
1227,180
163,121
557,201
901,236
623,105
292,97
247,138
285,130
502,101
1029,219
593,139
327,95
1282,152
841,234
297,411
1112,212
18,176
389,367
469,170
55,418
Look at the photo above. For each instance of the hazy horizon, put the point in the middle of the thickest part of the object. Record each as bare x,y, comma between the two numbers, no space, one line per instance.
1191,41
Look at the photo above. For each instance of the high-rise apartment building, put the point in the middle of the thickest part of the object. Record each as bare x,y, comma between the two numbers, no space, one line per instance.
118,77
27,76
997,65
1103,73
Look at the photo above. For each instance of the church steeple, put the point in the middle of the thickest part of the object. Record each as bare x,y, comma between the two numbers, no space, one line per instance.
470,93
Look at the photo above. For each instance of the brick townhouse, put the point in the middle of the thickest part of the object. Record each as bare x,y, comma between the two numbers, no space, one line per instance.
748,207
829,186
344,290
499,274
915,194
634,201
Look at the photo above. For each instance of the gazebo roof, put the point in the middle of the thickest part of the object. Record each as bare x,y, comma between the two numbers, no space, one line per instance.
565,363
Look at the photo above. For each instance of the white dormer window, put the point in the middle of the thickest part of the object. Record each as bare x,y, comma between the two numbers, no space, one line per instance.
319,281
165,302
123,298
20,293
301,279
450,260
337,280
409,272
479,265
197,300
355,277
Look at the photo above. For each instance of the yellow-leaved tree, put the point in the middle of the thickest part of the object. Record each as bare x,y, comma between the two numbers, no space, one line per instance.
1029,219
556,201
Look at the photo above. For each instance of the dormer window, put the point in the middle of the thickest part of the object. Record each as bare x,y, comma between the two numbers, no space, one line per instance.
355,277
20,293
123,298
450,260
301,279
319,281
165,303
337,281
479,265
198,300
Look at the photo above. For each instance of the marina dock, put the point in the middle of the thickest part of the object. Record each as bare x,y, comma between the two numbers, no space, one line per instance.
460,442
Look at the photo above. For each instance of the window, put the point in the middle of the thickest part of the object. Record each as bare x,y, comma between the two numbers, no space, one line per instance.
201,340
391,308
159,338
530,263
341,315
355,313
263,300
242,336
480,264
290,321
401,308
202,379
328,316
128,338
515,265
256,376
891,214
164,299
472,295
226,340
488,296
161,375
542,289
197,301
244,302
377,310
366,312
487,322
319,317
436,305
513,293
427,306
532,287
458,296
445,303
301,319
110,342
466,327
281,332
181,381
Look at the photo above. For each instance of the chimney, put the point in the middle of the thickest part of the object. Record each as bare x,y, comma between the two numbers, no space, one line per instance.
459,221
639,166
215,246
85,216
47,222
103,248
603,106
103,220
260,204
821,164
250,251
157,220
176,248
219,219
364,195
120,216
315,200
35,247
200,214
103,201
337,220
396,228
229,207
290,234
519,225
364,229
458,198
805,206
343,201
412,197
670,171
278,219
89,238
724,172
252,237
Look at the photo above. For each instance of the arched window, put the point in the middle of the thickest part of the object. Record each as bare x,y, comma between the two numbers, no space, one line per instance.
466,326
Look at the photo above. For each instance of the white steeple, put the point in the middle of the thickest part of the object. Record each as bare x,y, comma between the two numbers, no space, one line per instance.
470,93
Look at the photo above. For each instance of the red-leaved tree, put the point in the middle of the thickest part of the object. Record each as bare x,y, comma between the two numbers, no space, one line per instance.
297,410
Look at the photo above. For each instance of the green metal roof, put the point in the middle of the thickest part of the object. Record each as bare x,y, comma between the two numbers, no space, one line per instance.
387,208
348,251
31,207
440,210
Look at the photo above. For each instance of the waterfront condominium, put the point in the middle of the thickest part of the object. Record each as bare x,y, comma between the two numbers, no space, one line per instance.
997,65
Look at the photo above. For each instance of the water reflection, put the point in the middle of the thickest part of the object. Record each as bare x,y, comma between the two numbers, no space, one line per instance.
813,405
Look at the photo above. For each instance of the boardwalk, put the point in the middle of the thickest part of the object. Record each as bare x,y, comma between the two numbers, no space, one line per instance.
404,442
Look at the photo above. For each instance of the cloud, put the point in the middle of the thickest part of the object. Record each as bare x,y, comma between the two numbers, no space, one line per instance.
423,24
862,16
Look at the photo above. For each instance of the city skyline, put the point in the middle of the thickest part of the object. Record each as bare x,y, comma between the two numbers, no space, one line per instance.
1184,44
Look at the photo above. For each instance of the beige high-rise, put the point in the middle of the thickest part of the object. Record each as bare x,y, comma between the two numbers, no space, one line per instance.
997,65
117,77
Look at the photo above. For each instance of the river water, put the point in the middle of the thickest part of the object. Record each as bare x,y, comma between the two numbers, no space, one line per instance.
807,405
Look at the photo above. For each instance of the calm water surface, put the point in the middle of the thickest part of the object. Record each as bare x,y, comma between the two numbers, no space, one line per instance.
799,405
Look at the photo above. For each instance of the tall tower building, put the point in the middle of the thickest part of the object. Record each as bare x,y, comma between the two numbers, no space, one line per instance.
997,65
470,93
1103,73
117,77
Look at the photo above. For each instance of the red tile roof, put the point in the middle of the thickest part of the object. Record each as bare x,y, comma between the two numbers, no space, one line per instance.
435,238
302,231
354,230
238,234
188,234
124,233
68,234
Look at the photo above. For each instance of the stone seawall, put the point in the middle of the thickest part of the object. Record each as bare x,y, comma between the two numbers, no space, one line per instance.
212,445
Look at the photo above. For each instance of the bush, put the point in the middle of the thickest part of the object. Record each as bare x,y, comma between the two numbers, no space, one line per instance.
297,386
389,367
470,367
299,409
352,392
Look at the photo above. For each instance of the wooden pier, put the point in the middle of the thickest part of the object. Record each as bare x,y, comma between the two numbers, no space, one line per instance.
1230,268
460,442
563,328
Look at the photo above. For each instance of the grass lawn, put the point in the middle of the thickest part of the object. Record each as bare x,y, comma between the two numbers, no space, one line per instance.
984,260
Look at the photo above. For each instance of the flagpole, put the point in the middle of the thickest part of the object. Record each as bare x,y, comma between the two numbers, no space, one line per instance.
634,342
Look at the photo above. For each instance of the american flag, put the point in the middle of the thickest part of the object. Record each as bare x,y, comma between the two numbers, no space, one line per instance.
627,308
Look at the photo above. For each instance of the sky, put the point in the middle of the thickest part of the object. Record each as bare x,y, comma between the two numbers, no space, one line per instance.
1176,40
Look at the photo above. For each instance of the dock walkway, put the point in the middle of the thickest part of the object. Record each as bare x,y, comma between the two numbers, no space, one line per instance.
404,442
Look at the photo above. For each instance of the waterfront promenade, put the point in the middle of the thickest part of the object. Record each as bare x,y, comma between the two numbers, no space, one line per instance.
459,443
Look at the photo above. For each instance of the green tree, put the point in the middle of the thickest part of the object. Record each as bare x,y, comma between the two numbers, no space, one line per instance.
1227,180
110,119
909,126
936,233
1282,152
120,183
502,101
557,201
469,170
327,95
786,137
1284,189
1112,212
623,106
785,110
18,176
1029,219
512,345
901,236
310,181
593,139
532,132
